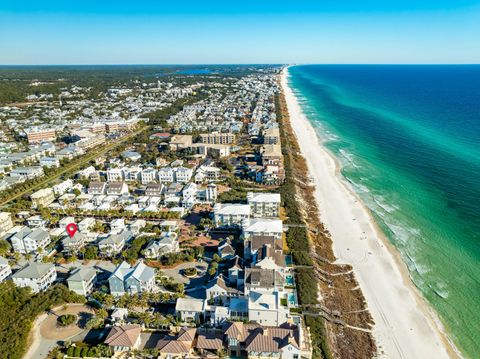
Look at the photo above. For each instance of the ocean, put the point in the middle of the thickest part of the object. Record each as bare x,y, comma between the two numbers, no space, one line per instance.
407,138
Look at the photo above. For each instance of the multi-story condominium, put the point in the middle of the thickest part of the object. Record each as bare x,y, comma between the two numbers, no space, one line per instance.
82,280
27,172
5,222
49,162
264,204
217,138
271,136
211,193
38,276
183,174
149,175
262,227
97,188
27,240
42,198
166,174
115,174
117,188
5,269
131,280
231,214
132,174
40,135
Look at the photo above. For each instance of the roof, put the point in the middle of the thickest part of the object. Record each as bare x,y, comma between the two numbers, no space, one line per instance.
33,270
189,304
264,225
209,341
262,339
263,197
258,241
125,335
181,343
82,274
232,209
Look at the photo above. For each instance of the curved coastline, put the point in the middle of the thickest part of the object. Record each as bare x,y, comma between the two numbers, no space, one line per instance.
406,326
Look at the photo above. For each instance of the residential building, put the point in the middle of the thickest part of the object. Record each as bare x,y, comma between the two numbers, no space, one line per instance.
267,309
264,204
117,188
154,190
114,243
271,136
37,276
230,214
178,346
97,188
217,138
82,280
124,338
127,279
179,142
62,187
5,269
40,135
211,193
189,309
74,243
149,175
6,222
262,227
27,173
49,162
42,198
115,174
29,240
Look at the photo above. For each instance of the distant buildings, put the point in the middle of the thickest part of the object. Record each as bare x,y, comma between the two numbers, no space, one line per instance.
217,138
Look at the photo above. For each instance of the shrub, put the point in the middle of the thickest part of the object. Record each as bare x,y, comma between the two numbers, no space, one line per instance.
66,320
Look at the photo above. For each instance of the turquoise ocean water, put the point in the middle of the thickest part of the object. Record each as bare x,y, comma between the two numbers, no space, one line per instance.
408,140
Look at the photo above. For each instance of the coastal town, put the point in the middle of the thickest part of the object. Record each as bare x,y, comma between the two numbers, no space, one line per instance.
158,204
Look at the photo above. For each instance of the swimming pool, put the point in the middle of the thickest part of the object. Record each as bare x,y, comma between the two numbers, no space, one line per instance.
289,280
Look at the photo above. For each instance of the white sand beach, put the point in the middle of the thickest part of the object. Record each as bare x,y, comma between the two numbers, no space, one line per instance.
405,326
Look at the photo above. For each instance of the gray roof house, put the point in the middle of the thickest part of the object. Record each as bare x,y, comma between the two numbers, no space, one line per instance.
82,280
127,279
114,243
38,276
27,240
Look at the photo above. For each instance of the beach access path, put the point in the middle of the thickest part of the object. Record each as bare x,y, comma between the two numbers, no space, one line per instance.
405,326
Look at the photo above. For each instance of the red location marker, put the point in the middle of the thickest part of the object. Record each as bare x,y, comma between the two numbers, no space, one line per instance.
71,229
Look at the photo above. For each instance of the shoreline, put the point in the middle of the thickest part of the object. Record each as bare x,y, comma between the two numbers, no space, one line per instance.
405,325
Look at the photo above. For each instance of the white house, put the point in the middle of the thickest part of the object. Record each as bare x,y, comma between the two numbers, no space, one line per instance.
27,240
38,276
149,175
115,174
264,204
262,227
5,269
231,214
49,162
189,309
63,187
266,309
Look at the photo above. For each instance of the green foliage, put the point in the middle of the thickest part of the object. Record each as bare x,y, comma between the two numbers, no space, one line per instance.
66,319
18,310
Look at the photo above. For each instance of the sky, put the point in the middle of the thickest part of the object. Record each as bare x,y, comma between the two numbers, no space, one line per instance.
36,32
